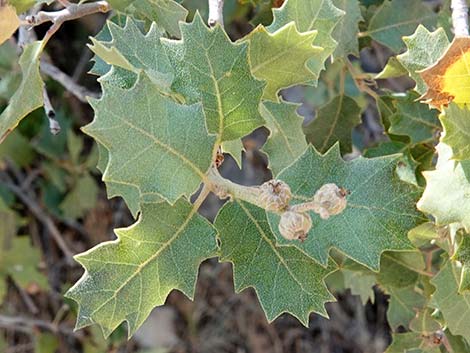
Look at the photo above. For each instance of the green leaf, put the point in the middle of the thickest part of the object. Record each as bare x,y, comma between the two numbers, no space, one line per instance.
134,51
81,198
392,69
234,148
166,14
129,193
463,256
456,123
445,194
359,279
424,49
400,269
165,136
285,279
280,58
131,55
29,95
7,232
455,307
402,342
334,122
398,18
457,343
46,343
23,5
345,32
415,120
379,212
286,140
126,278
403,305
18,259
424,323
406,168
423,234
210,68
320,15
100,67
16,148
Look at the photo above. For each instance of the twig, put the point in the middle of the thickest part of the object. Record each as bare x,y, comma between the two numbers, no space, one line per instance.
24,347
70,12
362,82
87,53
30,178
25,35
37,211
27,299
224,188
27,325
82,64
54,126
67,82
460,17
205,191
275,195
216,12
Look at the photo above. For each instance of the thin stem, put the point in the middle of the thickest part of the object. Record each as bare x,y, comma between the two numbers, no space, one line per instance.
460,17
27,325
224,188
80,92
361,82
37,211
26,299
205,191
70,12
216,12
54,126
275,195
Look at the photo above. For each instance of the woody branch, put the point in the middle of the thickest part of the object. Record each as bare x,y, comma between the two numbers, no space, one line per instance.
70,12
216,15
460,17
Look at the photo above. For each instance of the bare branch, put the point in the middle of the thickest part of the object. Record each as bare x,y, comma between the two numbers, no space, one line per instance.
70,12
216,12
27,325
460,17
38,212
54,125
67,82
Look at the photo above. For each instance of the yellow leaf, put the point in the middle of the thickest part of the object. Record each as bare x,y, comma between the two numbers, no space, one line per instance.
9,22
448,79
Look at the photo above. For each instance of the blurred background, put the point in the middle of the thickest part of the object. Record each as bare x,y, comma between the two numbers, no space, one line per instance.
53,205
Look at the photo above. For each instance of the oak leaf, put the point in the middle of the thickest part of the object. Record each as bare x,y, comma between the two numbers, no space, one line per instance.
449,78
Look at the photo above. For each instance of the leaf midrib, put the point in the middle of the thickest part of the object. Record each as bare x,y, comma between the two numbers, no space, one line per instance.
149,260
269,242
163,145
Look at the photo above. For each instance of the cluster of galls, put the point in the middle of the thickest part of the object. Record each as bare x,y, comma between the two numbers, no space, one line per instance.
295,220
